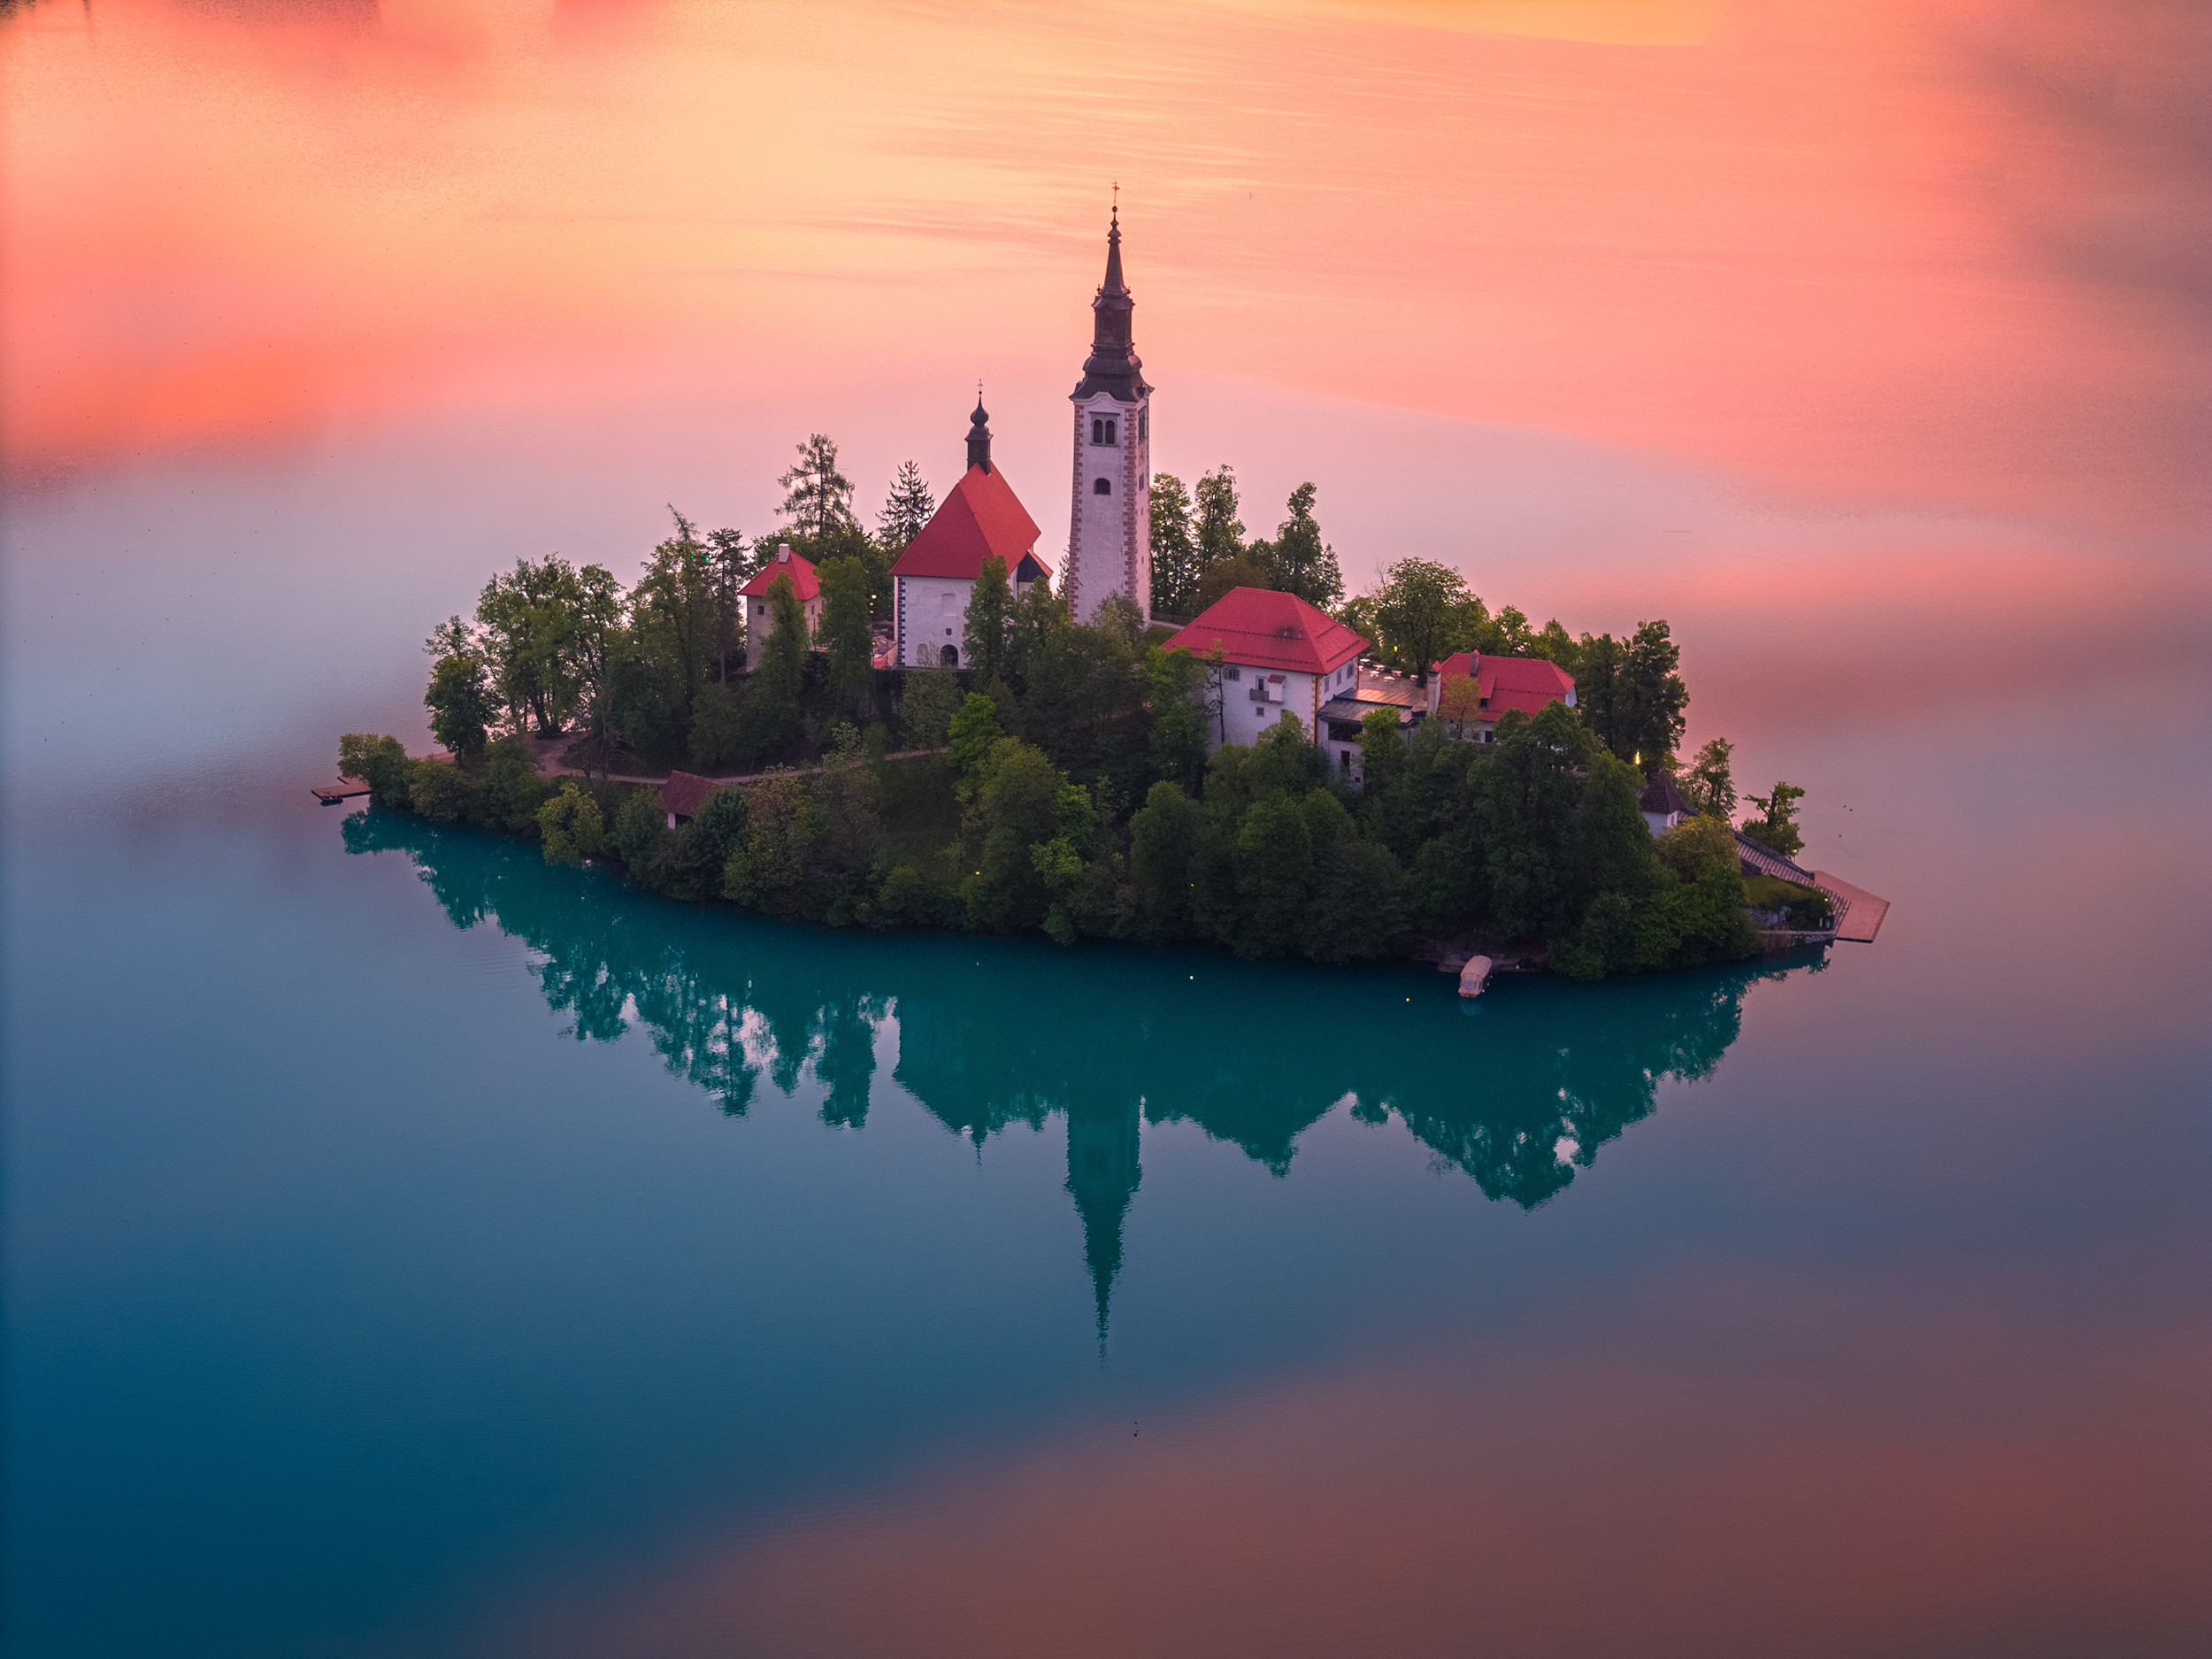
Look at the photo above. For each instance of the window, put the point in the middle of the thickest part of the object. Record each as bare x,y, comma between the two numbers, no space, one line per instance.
1102,429
1232,672
1103,487
944,604
1144,424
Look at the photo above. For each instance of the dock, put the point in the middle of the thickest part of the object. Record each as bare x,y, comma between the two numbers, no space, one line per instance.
344,789
1858,913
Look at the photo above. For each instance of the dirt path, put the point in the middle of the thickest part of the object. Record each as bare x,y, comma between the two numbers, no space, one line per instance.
550,759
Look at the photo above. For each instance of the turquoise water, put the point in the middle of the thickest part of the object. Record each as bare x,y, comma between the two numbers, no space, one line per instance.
411,1250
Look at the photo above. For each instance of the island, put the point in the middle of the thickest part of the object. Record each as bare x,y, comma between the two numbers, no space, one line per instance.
1184,735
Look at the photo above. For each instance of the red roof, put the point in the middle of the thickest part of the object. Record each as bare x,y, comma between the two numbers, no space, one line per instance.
1256,628
1526,683
804,582
686,792
981,516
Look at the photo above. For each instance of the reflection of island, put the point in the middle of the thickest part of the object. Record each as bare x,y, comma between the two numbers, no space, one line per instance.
997,1032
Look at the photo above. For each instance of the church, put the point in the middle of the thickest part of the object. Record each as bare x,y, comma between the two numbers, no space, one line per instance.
1109,519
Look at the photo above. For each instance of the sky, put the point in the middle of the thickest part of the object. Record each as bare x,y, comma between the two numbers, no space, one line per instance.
1894,319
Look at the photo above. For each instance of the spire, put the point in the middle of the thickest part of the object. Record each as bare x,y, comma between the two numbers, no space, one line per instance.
1113,365
979,434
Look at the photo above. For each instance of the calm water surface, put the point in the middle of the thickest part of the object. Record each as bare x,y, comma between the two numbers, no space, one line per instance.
411,1250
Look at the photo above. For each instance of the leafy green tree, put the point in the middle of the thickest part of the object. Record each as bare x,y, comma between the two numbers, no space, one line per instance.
513,791
769,719
1274,875
439,790
927,707
1035,621
716,730
974,732
529,622
845,632
769,868
1224,574
570,826
1164,835
1631,696
1382,750
1298,560
984,633
818,498
1775,827
1524,805
1219,531
598,648
905,510
672,628
1418,612
378,762
1174,694
641,828
460,704
729,567
1710,786
1175,561
1018,808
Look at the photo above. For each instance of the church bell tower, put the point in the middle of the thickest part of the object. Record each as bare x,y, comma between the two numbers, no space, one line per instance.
1110,523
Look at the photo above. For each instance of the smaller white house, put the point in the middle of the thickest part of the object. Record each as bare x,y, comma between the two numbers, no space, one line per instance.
1279,655
1470,690
1662,805
760,610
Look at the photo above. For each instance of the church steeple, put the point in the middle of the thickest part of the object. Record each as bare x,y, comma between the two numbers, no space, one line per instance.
979,434
1113,365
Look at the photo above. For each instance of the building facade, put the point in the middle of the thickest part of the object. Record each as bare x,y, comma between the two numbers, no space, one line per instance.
1279,655
933,581
760,610
1110,516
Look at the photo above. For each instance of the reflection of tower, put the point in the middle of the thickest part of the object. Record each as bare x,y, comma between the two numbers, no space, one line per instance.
1102,1175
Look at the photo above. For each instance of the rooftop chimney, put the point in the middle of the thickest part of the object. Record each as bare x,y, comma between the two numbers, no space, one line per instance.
783,552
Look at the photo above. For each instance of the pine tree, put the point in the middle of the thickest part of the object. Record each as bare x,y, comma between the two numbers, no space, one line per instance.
818,498
1220,533
1174,551
1301,562
905,510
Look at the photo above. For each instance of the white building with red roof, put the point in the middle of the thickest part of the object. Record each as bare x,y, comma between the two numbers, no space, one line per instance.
934,579
1493,685
1279,655
760,613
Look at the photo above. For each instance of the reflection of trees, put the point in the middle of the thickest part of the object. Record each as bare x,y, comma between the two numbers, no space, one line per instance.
993,1033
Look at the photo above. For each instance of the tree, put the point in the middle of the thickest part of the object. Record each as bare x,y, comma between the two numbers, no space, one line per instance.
927,707
1222,575
905,510
597,642
846,635
1175,562
974,731
1175,688
818,498
716,730
1298,560
1710,786
378,762
984,632
729,566
1164,837
1220,533
570,828
528,621
769,718
1274,875
1775,827
673,628
1416,613
1018,808
460,702
1034,623
1631,696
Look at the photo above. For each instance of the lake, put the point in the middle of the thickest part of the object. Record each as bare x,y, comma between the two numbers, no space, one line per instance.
414,1249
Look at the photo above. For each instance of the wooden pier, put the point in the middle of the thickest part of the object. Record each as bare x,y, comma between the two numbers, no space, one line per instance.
344,789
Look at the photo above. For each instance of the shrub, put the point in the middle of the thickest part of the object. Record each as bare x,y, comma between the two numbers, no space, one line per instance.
439,791
380,762
570,826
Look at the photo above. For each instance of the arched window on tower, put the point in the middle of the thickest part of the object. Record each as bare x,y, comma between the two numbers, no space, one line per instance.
1102,429
1103,487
